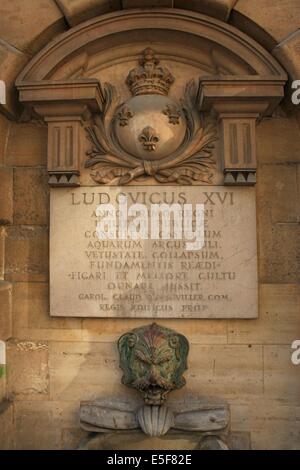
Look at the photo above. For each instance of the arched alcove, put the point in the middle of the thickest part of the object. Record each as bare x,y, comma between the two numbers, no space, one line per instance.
235,76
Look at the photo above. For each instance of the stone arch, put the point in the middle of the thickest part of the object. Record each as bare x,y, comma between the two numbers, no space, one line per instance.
226,42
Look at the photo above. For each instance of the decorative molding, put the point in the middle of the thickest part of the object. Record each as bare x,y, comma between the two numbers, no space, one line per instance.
239,178
240,103
117,26
64,107
249,85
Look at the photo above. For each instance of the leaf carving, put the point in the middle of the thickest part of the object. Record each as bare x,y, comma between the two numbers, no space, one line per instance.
193,160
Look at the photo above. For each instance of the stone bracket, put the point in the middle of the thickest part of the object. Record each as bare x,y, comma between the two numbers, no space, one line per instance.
64,106
240,103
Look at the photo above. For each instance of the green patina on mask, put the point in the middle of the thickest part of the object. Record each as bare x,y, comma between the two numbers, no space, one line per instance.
153,359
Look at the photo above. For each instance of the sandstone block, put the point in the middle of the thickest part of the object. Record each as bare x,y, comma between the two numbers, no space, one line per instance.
278,321
268,13
4,132
2,252
146,3
47,419
277,140
218,8
279,260
6,196
5,310
27,370
27,254
281,376
288,54
31,313
6,426
12,62
27,145
84,371
81,10
31,196
30,25
277,192
224,371
273,425
109,330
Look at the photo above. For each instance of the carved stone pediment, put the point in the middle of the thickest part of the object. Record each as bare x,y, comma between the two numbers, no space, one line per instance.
185,114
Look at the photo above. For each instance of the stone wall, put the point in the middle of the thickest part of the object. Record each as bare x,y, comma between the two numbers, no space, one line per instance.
53,363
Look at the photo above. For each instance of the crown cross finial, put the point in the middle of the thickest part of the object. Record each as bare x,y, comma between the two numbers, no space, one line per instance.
149,77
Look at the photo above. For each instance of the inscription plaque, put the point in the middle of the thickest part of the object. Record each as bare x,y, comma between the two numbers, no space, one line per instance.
156,278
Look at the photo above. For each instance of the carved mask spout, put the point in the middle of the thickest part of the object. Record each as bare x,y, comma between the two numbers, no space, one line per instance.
153,360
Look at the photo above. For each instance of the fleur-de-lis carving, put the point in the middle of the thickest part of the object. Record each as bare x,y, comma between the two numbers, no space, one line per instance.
173,113
149,138
124,115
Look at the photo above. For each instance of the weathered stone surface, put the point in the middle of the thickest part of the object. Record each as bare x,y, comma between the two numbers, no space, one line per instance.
72,437
272,148
279,248
31,312
27,370
226,371
268,13
42,434
27,145
217,8
4,133
146,3
20,29
31,319
107,417
108,330
12,61
2,371
137,440
288,54
2,385
154,277
212,443
202,420
278,321
48,422
5,310
26,254
277,193
6,196
281,376
239,441
2,252
77,11
274,425
31,196
6,426
73,365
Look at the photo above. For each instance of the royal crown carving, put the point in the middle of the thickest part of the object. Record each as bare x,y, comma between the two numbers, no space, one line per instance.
151,134
149,77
